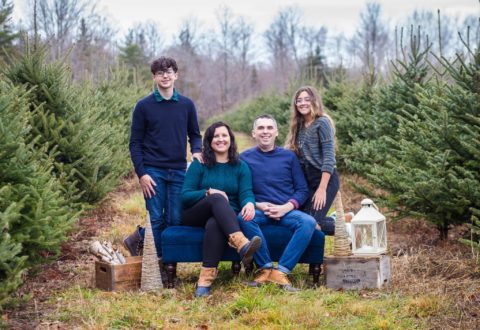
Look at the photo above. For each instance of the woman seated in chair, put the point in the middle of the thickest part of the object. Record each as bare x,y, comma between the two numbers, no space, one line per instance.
212,196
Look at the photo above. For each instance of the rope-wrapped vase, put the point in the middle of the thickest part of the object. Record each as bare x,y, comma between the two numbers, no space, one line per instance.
151,278
341,245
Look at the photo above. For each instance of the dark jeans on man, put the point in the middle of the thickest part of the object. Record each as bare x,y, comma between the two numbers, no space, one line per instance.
313,175
219,219
165,206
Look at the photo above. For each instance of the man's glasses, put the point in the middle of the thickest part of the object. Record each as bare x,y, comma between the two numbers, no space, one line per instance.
169,73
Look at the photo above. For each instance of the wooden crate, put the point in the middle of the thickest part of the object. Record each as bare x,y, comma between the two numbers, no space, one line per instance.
119,277
354,272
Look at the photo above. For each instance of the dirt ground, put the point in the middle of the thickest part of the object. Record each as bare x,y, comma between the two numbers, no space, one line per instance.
421,264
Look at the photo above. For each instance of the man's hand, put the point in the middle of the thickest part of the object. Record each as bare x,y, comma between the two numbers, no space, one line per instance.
262,206
276,212
147,184
248,212
216,191
198,156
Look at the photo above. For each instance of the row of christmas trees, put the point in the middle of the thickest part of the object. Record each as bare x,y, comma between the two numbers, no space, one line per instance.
418,137
62,148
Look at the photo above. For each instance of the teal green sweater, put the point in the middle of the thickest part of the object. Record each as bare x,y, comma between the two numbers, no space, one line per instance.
234,180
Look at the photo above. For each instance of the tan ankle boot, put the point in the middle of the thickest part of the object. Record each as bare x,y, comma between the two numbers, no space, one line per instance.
279,277
244,247
262,277
237,240
205,280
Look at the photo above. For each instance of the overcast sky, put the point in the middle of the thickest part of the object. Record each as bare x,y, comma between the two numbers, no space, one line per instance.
336,15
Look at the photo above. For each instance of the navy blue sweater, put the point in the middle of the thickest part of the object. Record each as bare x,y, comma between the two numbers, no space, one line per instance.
159,133
277,176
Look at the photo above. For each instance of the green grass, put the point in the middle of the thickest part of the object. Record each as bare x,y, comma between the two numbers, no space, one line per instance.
235,306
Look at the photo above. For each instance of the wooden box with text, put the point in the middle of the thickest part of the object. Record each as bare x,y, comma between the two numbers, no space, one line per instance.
355,272
119,277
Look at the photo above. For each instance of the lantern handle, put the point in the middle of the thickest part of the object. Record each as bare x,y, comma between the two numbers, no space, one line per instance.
368,201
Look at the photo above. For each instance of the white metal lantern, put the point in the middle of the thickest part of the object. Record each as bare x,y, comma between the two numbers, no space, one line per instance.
369,231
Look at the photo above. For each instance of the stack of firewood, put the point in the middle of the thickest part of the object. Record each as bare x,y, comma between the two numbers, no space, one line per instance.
105,252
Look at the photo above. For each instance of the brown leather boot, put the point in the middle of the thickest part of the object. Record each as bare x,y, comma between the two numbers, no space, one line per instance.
244,247
134,243
262,277
205,280
281,278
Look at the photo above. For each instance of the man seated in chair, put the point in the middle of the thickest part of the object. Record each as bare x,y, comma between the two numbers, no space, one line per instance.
280,189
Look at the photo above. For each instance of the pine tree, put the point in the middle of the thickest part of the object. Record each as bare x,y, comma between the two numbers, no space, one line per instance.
132,54
7,35
72,125
435,171
369,119
34,216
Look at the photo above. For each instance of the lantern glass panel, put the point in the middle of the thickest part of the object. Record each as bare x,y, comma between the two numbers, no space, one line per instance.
382,235
363,237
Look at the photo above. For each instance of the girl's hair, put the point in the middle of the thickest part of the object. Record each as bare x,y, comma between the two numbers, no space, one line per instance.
209,154
296,119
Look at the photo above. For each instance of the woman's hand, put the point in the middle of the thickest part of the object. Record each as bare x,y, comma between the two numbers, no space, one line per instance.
319,198
248,212
216,191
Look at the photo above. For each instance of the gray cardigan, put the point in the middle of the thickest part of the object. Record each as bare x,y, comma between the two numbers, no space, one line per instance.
316,145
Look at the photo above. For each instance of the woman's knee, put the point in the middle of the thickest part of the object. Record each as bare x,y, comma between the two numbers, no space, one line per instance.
215,199
212,225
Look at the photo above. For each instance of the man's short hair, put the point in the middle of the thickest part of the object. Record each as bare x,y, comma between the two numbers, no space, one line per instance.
163,64
264,116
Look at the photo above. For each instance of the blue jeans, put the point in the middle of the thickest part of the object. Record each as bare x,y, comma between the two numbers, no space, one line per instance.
300,223
165,207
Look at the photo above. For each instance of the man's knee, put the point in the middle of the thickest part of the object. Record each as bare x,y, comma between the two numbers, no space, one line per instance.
240,218
308,221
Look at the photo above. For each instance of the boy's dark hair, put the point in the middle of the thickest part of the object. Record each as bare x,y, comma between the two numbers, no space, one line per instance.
162,64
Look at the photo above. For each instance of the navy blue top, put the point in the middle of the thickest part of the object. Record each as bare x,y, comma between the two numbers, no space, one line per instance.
277,176
159,133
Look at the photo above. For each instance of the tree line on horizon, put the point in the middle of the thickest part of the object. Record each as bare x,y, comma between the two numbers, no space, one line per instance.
218,63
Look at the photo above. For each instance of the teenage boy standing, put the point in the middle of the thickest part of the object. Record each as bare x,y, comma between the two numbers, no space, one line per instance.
160,125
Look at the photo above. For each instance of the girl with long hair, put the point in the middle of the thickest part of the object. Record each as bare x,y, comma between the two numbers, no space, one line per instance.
213,194
312,137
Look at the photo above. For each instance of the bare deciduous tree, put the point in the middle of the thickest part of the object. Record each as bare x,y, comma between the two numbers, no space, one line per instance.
149,38
370,40
56,21
188,35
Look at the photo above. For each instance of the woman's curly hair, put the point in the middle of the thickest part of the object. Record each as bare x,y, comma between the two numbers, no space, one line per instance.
209,154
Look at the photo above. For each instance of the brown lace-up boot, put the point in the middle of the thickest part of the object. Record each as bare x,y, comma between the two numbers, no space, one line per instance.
134,243
261,278
244,247
281,278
